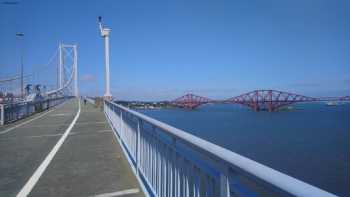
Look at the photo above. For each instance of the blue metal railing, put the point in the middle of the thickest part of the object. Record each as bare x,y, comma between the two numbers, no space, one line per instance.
14,111
170,162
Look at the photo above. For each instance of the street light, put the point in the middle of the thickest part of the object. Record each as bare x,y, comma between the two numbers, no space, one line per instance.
105,31
19,36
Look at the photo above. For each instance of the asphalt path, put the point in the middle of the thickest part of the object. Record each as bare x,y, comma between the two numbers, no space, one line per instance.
25,144
89,163
67,151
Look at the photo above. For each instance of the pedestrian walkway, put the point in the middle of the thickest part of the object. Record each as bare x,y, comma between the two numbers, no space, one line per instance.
90,161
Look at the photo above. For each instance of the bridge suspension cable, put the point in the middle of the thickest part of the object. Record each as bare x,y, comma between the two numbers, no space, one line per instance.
57,77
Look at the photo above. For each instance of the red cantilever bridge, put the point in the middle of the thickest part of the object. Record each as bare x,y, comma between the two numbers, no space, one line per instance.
270,100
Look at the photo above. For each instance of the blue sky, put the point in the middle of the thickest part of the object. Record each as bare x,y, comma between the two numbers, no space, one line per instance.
163,49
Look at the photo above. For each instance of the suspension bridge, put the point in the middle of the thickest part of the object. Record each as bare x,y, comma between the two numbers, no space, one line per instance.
270,100
52,144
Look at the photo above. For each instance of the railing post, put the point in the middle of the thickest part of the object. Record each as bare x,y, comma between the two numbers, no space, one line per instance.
27,109
224,186
121,126
104,107
138,147
2,114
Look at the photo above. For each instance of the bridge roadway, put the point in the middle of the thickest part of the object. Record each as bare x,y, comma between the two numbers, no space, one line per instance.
90,161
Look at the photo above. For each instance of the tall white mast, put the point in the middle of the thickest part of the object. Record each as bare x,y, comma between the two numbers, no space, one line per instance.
105,31
60,70
76,90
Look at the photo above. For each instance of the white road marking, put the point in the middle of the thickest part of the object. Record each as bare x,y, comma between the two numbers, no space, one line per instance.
26,122
103,131
27,188
84,123
119,193
90,132
44,126
50,135
60,115
57,125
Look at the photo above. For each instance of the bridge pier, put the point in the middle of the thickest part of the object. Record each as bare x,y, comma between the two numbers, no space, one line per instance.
270,108
256,108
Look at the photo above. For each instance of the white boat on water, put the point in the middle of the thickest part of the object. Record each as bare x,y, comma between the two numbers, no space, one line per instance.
331,103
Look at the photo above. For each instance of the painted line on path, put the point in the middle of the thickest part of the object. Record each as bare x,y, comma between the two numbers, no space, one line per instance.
57,125
120,193
105,131
27,188
85,123
63,114
50,135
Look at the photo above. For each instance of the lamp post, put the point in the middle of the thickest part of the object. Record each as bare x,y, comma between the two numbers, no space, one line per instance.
105,31
19,36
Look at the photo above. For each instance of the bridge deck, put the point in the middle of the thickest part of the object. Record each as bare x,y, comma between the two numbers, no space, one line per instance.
89,162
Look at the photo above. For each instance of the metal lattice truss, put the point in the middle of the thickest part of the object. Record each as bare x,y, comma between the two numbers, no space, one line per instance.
269,100
190,101
345,98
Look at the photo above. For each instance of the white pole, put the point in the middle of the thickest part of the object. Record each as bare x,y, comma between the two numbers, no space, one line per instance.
20,38
60,67
107,93
105,34
76,91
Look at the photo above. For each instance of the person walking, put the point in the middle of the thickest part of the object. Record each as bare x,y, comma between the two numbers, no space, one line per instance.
84,101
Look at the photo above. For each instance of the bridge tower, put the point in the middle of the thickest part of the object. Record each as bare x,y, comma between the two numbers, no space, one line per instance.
105,31
68,68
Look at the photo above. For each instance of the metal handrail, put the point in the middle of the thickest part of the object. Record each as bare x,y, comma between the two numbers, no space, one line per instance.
228,163
14,111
